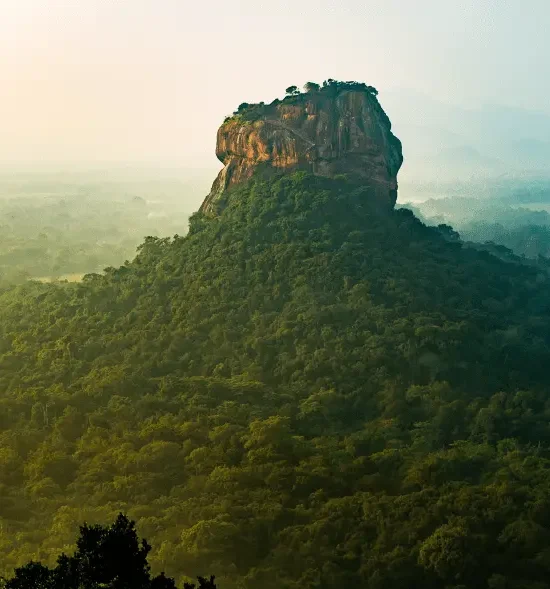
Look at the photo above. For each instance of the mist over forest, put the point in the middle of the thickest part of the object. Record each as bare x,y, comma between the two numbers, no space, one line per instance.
62,225
484,171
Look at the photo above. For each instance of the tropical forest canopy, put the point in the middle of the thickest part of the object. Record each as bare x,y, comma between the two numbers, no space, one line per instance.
301,392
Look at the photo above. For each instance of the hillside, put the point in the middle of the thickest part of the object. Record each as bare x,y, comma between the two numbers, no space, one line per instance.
509,215
304,391
301,388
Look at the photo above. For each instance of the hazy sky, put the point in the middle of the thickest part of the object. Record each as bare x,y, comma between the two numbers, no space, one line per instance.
150,80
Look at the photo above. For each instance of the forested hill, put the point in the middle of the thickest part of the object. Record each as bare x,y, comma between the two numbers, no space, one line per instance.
300,393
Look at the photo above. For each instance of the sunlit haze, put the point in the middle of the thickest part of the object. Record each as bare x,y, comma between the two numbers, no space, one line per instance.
94,81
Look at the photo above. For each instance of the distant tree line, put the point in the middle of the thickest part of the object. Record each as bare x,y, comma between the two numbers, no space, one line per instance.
330,86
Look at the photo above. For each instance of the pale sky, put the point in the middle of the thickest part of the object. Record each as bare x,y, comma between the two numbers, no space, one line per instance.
151,80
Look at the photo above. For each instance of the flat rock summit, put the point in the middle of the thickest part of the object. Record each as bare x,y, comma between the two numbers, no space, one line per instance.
329,130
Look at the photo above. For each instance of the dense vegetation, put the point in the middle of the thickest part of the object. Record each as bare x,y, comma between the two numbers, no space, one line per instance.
254,111
301,392
106,556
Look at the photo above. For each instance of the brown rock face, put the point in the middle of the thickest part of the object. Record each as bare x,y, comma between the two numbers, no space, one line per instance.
325,133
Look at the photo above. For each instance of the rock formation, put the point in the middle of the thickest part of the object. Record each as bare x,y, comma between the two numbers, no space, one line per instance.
339,129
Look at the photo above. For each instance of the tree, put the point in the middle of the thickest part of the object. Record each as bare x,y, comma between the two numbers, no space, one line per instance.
242,107
203,584
292,90
448,232
451,551
106,556
163,582
33,575
311,87
112,554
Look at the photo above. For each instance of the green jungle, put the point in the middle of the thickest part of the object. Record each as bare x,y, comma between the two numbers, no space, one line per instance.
302,392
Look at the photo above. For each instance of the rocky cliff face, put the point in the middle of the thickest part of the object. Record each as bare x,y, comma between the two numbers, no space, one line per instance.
327,132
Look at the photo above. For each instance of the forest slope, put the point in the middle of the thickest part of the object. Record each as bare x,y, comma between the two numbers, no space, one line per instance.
301,392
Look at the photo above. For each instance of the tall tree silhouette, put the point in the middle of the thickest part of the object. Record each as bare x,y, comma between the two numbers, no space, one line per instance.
110,557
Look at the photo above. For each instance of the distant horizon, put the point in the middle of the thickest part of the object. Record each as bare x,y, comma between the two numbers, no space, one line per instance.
413,114
208,159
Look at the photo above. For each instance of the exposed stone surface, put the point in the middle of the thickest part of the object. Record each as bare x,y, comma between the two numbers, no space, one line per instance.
326,133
